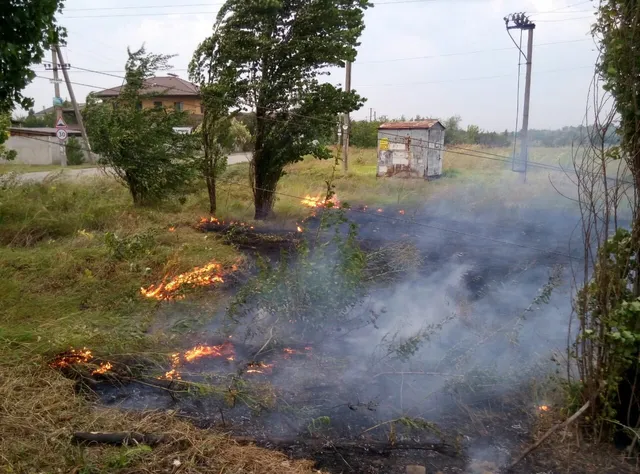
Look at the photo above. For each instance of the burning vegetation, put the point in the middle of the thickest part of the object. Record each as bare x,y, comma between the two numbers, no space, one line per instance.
214,221
319,201
210,274
71,357
76,357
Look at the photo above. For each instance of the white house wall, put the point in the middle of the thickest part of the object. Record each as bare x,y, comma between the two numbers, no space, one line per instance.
43,151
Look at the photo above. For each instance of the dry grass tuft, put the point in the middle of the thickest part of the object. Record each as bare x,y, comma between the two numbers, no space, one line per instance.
39,411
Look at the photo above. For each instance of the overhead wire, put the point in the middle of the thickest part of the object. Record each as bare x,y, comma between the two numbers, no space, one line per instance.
398,2
414,58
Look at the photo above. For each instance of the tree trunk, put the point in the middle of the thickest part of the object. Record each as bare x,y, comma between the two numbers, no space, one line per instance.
211,188
265,181
263,201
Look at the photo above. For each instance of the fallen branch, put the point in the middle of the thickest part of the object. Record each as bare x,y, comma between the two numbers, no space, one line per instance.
118,438
555,428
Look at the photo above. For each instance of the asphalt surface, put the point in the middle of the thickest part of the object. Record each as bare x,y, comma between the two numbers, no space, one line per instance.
82,173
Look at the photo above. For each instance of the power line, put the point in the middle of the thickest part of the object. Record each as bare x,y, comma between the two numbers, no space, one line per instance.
74,83
116,15
441,81
464,53
414,58
563,19
548,71
555,12
569,6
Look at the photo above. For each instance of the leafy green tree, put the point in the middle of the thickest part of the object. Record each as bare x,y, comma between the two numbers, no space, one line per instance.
5,123
364,134
454,134
27,29
31,120
267,56
139,145
221,134
473,134
73,150
619,65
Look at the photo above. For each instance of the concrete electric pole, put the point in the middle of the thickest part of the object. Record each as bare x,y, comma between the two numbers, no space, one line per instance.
57,102
76,109
521,21
347,123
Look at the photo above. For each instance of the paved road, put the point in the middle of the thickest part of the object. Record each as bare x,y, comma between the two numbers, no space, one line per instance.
80,173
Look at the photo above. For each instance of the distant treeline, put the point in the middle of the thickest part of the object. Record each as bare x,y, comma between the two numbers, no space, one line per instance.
364,134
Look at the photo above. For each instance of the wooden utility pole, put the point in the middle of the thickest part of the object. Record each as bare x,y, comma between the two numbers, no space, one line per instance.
76,109
521,21
58,105
347,123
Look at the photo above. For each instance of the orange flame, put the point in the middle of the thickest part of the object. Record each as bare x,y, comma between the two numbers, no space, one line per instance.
543,408
173,374
299,229
379,210
401,211
72,357
225,349
197,352
258,367
104,367
200,276
172,229
310,201
215,220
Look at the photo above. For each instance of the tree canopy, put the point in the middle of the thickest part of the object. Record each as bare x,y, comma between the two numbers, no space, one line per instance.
27,29
139,144
268,56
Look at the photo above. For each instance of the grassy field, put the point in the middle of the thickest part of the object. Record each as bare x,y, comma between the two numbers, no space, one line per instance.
74,256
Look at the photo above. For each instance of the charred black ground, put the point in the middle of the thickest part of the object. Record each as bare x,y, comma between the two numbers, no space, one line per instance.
463,401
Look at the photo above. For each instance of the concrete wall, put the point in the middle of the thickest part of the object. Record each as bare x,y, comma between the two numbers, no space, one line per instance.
43,151
421,157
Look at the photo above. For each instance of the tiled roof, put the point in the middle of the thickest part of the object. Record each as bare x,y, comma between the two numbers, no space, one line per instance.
418,124
170,85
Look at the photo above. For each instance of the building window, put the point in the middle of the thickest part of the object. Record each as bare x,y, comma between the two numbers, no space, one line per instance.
179,106
158,104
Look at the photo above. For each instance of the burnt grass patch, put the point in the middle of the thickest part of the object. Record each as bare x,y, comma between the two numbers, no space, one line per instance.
361,393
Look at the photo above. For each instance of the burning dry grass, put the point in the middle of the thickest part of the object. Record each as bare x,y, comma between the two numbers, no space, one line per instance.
39,411
567,450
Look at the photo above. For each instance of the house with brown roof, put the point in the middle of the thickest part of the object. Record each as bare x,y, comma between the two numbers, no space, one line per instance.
170,92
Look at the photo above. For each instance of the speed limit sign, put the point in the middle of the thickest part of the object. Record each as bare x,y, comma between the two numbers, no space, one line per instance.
61,134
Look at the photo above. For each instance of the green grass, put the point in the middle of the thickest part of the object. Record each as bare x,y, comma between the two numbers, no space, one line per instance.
21,168
60,282
62,286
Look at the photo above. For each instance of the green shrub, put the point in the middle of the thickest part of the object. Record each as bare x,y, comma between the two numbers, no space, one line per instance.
75,156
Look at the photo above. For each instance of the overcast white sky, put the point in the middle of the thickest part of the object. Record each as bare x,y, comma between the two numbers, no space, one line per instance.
391,70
